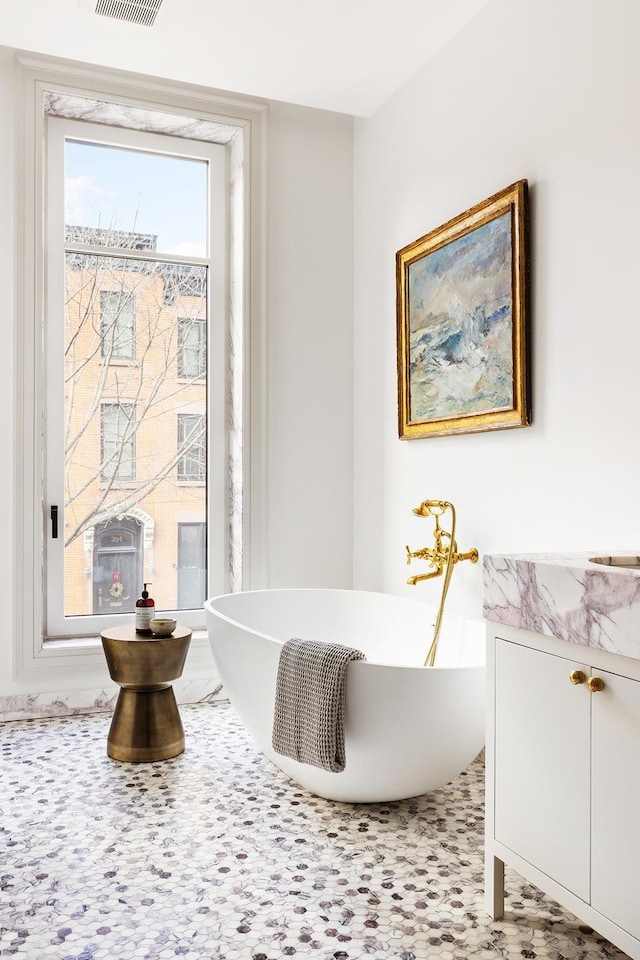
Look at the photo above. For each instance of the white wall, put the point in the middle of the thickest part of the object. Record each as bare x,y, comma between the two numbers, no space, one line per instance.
311,347
310,354
546,90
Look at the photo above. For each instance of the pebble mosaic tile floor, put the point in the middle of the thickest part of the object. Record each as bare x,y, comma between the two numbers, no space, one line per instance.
214,855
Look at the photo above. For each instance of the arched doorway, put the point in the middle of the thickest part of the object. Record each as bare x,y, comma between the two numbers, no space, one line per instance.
117,565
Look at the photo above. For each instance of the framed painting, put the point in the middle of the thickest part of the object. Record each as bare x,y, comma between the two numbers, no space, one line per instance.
462,323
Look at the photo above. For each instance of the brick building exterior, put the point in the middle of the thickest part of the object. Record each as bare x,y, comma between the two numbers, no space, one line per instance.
135,424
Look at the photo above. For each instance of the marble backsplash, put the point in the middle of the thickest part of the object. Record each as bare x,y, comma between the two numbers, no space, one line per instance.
566,596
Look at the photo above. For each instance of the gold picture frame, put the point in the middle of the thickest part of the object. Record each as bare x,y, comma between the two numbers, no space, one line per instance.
462,322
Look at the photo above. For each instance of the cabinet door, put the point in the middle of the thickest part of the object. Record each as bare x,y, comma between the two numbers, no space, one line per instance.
542,762
616,801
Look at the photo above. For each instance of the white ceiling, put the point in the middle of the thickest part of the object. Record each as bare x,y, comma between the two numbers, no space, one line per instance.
343,55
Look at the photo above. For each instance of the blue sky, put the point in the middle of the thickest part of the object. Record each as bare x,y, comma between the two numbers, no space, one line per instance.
132,190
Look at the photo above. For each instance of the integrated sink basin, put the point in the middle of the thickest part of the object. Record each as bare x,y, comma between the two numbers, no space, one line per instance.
632,563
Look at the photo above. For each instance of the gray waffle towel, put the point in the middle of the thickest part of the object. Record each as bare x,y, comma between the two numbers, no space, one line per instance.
308,720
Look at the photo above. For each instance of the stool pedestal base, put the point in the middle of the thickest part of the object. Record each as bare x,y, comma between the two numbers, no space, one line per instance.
146,725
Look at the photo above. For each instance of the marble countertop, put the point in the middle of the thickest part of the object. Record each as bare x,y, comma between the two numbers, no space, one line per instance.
566,596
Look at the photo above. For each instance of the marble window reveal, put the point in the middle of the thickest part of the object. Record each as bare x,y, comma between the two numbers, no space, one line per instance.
127,115
216,855
237,372
111,113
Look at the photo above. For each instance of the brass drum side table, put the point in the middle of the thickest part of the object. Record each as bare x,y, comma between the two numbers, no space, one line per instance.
146,725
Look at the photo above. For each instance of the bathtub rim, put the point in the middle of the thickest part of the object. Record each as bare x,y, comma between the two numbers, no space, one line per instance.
357,664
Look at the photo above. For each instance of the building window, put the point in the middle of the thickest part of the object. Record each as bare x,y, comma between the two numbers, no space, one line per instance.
192,449
117,442
192,552
192,348
117,326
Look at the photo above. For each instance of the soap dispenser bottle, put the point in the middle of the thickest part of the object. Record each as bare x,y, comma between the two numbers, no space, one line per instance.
145,611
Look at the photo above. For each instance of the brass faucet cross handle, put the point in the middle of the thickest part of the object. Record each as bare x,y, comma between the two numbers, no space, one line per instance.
435,558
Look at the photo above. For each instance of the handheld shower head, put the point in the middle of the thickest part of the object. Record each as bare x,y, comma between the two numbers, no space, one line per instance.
432,508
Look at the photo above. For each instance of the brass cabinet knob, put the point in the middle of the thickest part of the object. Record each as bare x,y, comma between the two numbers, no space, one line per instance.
595,684
577,676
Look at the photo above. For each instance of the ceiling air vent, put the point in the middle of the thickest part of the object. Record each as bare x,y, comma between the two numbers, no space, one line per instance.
142,12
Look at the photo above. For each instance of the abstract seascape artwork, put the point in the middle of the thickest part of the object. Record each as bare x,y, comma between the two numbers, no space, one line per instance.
462,322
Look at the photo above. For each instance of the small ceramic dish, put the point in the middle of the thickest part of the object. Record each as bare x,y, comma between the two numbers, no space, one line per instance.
162,626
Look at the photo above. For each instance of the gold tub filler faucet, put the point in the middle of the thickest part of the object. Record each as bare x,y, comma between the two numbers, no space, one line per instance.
442,556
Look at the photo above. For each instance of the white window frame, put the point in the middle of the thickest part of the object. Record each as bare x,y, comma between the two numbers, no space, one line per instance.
34,653
59,131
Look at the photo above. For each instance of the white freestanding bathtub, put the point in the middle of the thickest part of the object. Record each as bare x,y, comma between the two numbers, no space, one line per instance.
409,729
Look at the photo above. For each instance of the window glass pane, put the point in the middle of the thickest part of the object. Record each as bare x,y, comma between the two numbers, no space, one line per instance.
129,480
117,325
192,358
118,448
134,193
191,447
192,568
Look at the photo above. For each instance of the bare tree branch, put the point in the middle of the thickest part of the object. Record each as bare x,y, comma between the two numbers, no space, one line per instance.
97,374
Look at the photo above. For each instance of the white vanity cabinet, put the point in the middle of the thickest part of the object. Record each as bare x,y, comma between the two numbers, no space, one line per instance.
615,801
563,778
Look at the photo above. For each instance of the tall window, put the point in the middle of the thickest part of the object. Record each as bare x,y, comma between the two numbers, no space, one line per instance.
192,464
76,531
142,215
117,325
